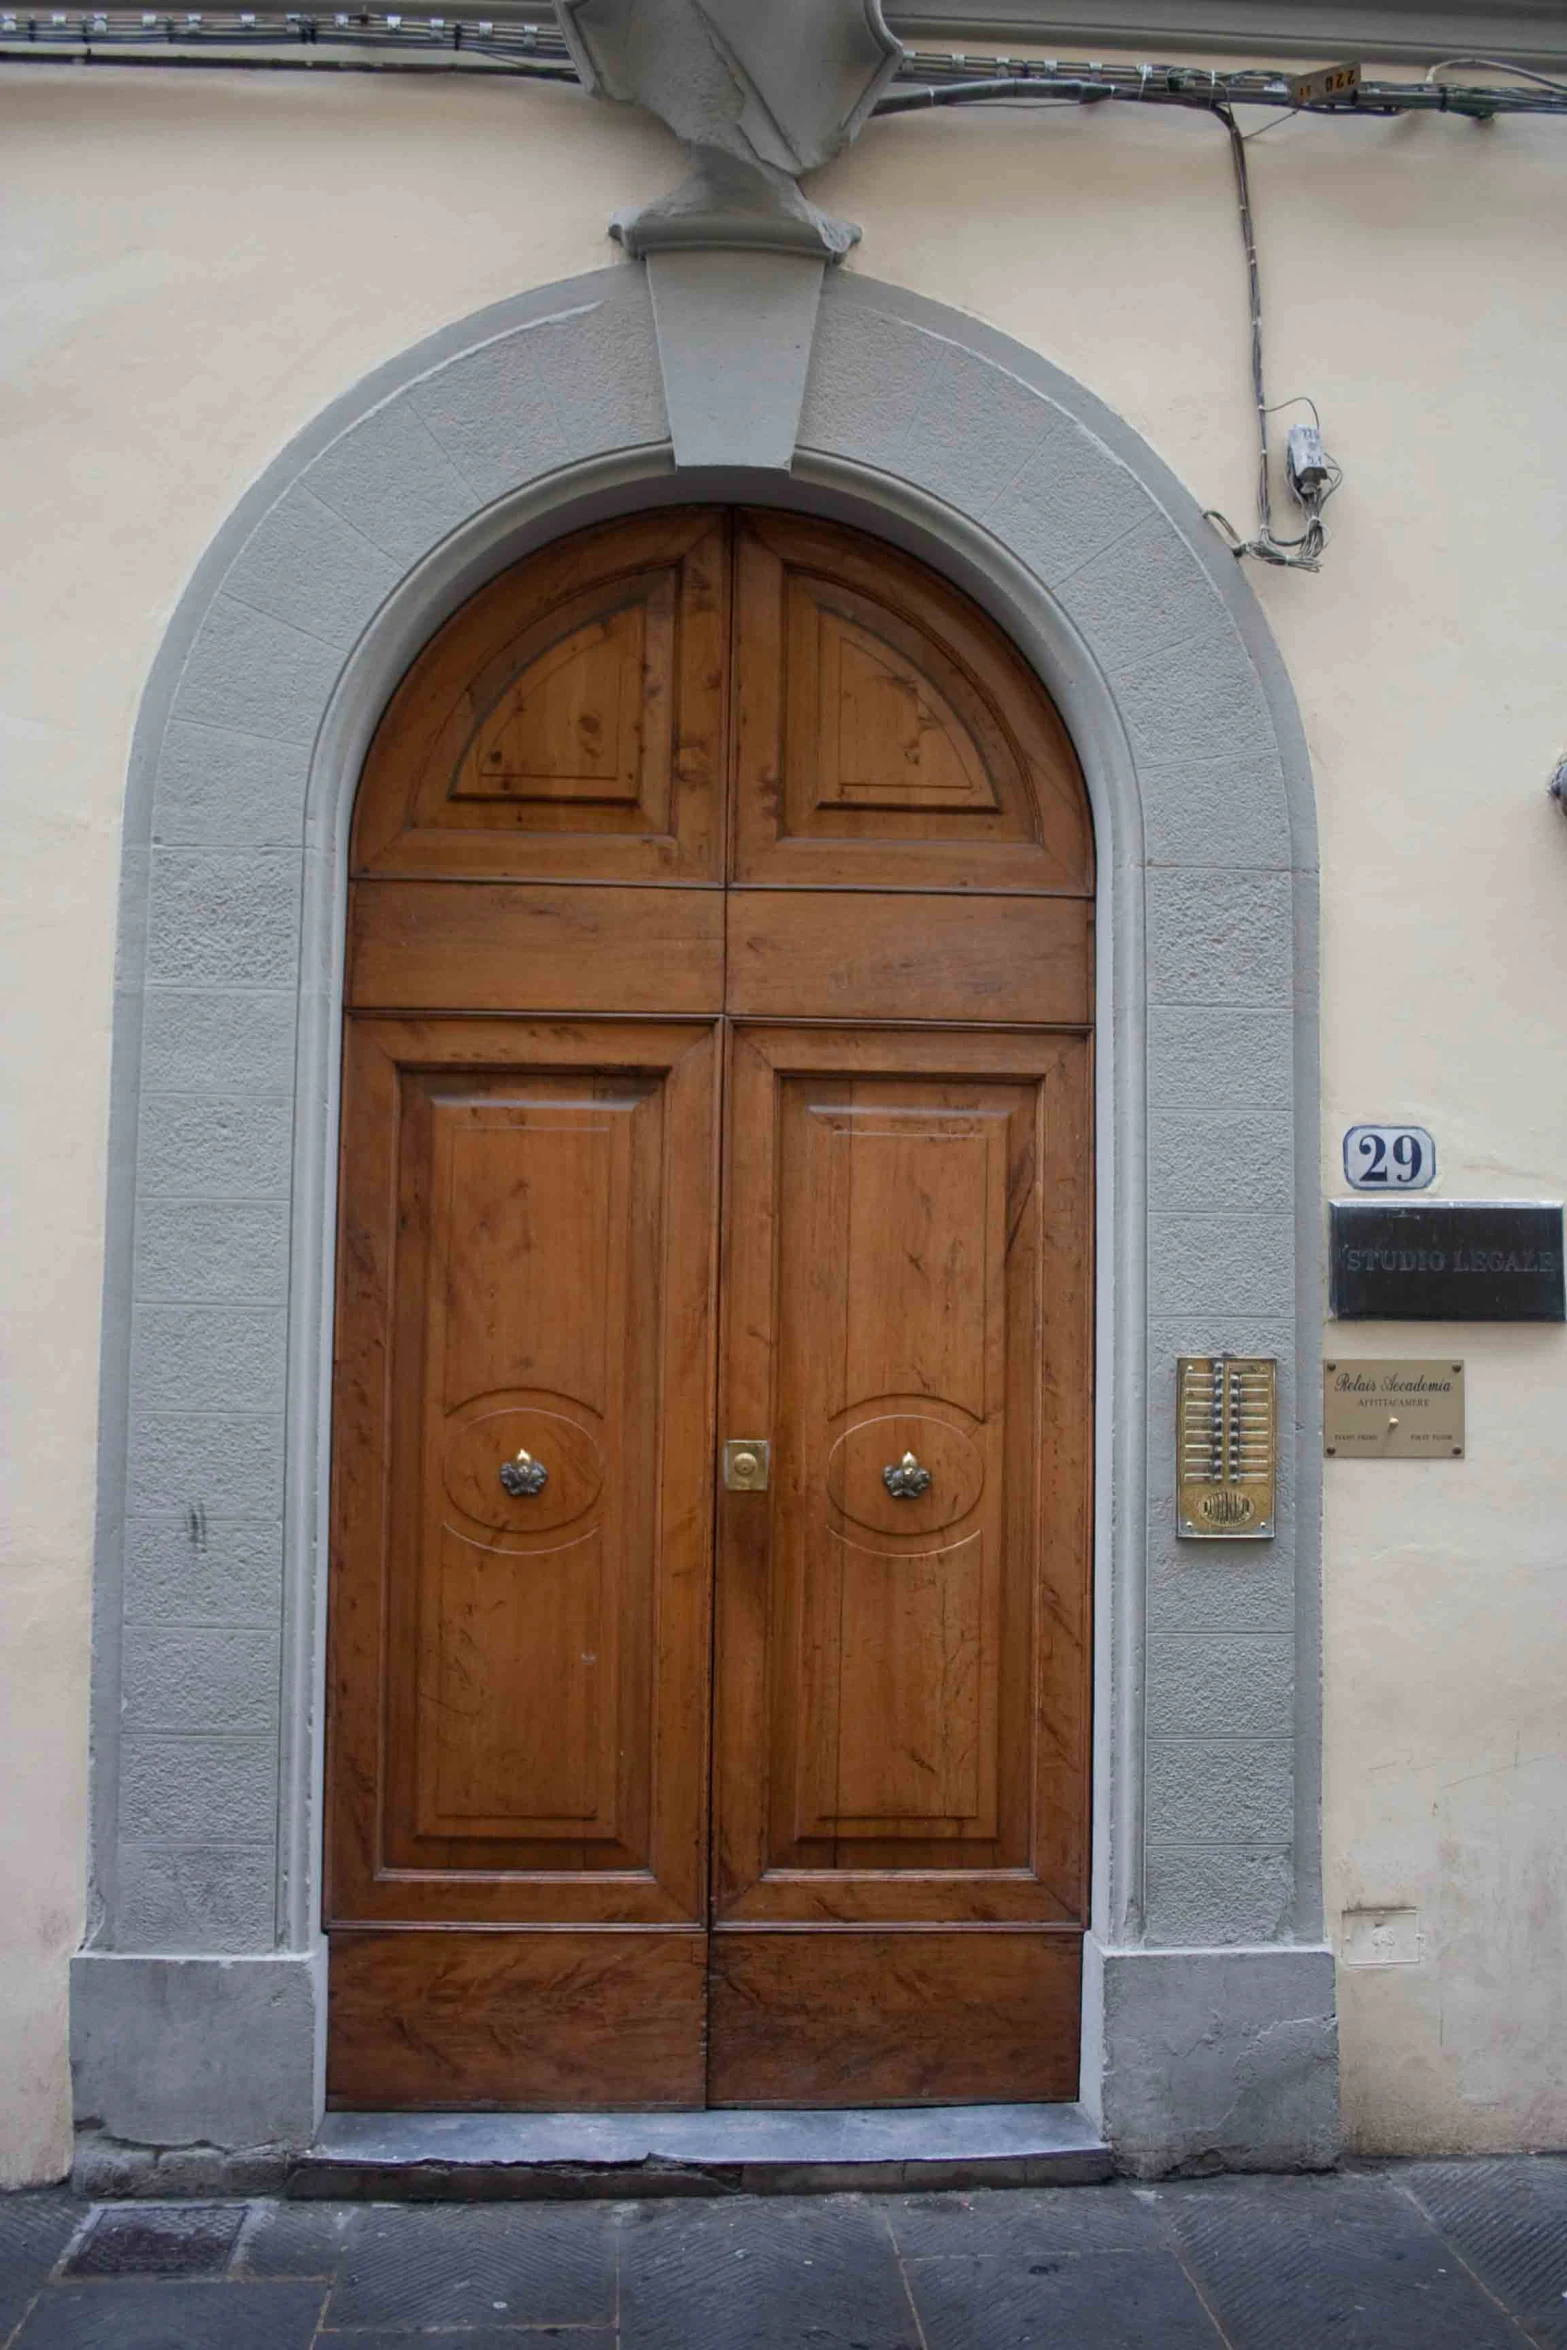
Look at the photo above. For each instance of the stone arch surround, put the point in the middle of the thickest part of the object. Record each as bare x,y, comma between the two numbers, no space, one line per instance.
198,2000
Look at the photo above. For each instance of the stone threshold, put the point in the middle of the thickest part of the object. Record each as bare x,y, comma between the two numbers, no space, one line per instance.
493,2156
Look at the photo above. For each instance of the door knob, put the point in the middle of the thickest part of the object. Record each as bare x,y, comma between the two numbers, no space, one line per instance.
524,1474
905,1480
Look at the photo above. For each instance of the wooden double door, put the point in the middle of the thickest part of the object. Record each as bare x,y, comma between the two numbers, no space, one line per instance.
717,1082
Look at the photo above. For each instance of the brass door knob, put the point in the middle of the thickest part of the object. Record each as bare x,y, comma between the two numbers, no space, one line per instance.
524,1474
906,1480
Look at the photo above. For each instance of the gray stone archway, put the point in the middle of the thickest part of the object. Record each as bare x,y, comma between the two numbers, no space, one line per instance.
198,2008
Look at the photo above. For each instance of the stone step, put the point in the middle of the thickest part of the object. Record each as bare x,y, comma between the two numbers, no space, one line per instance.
452,2157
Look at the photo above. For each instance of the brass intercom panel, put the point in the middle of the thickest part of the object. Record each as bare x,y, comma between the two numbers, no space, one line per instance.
1226,1446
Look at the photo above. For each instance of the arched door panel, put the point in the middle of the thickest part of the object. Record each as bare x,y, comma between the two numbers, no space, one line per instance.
569,723
887,736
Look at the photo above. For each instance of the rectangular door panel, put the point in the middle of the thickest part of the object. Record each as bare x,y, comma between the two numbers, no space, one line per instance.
544,2020
894,2019
804,954
520,946
521,1618
519,1665
902,1616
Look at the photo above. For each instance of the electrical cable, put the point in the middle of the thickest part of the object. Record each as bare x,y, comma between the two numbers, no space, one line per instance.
926,77
1496,65
1304,552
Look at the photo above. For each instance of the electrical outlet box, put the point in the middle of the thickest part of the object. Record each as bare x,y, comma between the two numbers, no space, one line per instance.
1306,460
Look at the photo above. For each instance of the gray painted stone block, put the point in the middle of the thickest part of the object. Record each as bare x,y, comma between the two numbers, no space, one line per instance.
1220,1329
168,2051
1195,701
1071,499
195,1042
596,369
734,341
236,1251
217,786
1208,1894
1217,812
393,482
1149,595
305,565
254,674
189,1897
1219,938
199,1677
1220,2057
199,1790
975,430
1213,1587
215,1148
223,917
213,1464
1201,1054
868,375
493,417
1221,1158
208,1358
220,1571
1228,1790
1233,1264
1230,1685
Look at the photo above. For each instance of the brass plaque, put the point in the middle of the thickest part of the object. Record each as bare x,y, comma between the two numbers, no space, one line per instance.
1226,1446
1379,1410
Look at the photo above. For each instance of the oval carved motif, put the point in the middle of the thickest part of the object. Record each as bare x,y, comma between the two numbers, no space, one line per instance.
856,1482
475,1449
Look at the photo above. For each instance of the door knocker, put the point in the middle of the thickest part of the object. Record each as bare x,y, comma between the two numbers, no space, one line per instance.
905,1480
524,1474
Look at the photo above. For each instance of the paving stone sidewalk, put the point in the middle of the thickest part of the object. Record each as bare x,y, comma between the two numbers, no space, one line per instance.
1412,2256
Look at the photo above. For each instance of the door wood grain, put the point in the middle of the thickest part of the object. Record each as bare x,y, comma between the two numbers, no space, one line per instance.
534,946
854,954
519,1680
712,844
902,1677
569,722
887,736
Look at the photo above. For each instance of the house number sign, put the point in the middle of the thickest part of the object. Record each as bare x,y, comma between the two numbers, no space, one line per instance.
1388,1158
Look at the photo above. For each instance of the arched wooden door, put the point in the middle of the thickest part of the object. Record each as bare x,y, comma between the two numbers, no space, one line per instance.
717,1075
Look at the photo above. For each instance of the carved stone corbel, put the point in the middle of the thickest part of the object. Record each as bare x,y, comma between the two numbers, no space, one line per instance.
758,91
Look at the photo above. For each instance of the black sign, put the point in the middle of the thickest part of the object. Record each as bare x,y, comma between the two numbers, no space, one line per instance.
1447,1261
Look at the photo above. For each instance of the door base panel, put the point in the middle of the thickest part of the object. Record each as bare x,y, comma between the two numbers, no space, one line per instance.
902,2018
516,2019
469,2156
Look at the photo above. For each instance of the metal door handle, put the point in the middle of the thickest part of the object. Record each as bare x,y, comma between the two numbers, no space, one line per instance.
524,1474
905,1480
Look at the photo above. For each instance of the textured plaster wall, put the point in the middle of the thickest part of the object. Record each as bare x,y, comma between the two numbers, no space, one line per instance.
194,266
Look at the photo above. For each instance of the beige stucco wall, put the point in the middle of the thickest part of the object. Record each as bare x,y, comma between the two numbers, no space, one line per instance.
195,264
